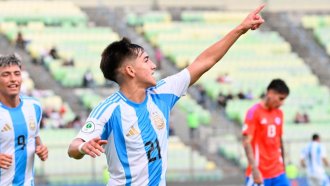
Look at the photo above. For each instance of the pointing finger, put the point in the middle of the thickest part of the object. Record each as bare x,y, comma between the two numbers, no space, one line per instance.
258,10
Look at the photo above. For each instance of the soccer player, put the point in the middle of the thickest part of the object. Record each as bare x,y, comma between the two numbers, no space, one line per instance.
262,138
132,125
313,157
19,126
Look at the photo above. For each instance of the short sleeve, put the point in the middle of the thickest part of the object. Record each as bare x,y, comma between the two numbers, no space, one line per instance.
171,88
176,84
250,122
93,128
323,152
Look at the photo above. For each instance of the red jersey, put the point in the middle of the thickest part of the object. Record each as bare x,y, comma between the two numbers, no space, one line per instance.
265,127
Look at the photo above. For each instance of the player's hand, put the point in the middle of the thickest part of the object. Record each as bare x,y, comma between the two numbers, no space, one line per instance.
42,152
94,147
253,20
5,161
256,176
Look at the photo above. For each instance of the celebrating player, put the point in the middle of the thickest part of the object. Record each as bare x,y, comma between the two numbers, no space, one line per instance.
132,125
19,124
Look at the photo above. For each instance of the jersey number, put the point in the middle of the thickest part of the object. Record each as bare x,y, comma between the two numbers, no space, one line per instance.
153,146
271,131
21,141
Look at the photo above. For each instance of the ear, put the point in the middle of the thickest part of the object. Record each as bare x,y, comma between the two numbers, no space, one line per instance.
129,70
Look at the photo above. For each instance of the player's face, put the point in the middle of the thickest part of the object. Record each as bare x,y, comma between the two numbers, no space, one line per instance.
10,81
145,70
275,99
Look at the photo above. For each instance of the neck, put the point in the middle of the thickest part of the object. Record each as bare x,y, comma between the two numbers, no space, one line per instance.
134,93
10,101
264,104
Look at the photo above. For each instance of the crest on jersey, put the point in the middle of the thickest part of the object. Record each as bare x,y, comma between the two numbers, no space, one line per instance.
88,127
157,120
277,121
264,121
32,124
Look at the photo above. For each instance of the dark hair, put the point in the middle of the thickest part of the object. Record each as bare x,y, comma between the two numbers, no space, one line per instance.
10,60
115,54
315,137
279,86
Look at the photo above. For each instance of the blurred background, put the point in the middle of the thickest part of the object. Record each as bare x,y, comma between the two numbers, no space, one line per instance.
60,43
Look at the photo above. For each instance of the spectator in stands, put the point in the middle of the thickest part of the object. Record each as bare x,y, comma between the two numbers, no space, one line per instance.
159,57
301,118
240,95
54,53
222,100
249,95
313,158
224,78
193,124
76,123
20,41
20,121
262,138
201,96
68,61
132,124
88,79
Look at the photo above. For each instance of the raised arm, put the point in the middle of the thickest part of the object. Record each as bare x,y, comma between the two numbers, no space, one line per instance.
209,57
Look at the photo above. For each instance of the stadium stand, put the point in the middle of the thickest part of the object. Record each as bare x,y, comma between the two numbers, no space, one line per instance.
257,58
79,41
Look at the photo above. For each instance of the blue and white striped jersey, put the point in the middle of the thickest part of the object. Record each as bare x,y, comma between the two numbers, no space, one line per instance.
19,127
137,134
313,154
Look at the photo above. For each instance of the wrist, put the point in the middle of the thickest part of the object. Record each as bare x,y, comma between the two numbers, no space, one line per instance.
240,29
80,148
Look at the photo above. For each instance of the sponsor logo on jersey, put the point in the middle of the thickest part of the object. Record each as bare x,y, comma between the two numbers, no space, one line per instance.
264,121
157,120
88,127
132,131
6,128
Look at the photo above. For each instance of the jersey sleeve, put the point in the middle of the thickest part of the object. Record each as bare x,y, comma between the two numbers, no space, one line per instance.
176,84
323,152
250,122
173,87
96,123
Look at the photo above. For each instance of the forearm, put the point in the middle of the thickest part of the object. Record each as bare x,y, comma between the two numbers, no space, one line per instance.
73,150
325,161
209,57
249,154
282,152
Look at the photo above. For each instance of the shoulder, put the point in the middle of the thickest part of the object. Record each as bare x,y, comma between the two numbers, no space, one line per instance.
253,111
30,100
106,106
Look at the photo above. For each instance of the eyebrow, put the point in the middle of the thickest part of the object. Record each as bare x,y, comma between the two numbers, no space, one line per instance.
146,57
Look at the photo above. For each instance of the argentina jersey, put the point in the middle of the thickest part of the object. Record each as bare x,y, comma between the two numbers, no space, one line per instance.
19,127
313,155
137,133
